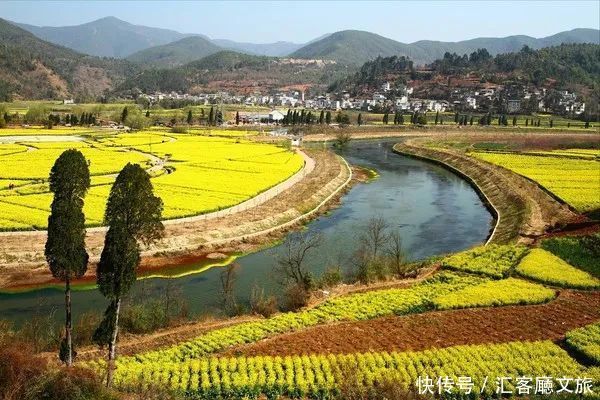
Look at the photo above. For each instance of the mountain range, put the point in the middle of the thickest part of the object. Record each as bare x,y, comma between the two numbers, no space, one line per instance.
33,68
155,47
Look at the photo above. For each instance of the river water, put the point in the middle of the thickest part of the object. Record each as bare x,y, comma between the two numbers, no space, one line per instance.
434,210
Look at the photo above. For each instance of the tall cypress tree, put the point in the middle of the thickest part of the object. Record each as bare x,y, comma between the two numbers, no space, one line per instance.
328,118
437,117
65,244
133,215
211,116
237,117
189,117
359,119
322,117
124,114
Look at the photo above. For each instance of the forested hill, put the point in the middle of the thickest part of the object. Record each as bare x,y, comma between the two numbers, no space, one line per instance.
31,68
353,47
567,64
175,54
232,71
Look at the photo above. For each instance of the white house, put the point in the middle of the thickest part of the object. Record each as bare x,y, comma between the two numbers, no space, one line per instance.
471,102
275,116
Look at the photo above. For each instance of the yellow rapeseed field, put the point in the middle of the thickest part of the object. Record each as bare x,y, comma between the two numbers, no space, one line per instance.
574,180
193,174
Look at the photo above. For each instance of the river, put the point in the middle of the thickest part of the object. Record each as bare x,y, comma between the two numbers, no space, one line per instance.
434,210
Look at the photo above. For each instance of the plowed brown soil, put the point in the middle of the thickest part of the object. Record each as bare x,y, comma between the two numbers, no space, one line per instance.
438,329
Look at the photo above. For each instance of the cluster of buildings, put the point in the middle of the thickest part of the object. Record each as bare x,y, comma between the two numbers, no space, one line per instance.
510,99
516,99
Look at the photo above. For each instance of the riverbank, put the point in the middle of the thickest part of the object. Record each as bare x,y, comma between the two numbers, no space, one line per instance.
522,209
21,256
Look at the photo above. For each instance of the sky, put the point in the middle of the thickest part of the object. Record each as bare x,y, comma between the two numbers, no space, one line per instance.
301,21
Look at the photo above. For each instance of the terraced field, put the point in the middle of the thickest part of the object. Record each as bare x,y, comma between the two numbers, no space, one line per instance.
364,339
193,174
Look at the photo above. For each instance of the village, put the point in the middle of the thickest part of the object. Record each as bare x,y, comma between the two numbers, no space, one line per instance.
487,98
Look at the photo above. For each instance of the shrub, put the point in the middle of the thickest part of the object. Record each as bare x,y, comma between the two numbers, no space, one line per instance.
262,304
295,297
179,129
331,277
143,318
24,376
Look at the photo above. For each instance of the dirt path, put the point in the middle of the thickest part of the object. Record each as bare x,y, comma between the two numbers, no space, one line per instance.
438,329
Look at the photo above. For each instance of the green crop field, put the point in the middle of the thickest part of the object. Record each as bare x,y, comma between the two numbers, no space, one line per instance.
586,340
574,180
193,173
544,266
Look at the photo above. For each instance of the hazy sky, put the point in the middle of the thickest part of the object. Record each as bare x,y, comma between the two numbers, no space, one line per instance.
303,21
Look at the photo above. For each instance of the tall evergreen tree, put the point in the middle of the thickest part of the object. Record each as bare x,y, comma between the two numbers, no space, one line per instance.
211,116
133,214
386,117
237,117
124,114
322,117
456,118
437,117
551,123
359,119
147,113
400,119
471,120
190,118
514,121
65,244
328,118
526,121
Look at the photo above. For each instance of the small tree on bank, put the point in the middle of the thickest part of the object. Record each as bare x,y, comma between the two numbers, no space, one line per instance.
133,214
65,245
291,262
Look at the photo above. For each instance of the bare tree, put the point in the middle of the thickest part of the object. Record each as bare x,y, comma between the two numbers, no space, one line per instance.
395,252
229,277
291,263
375,235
